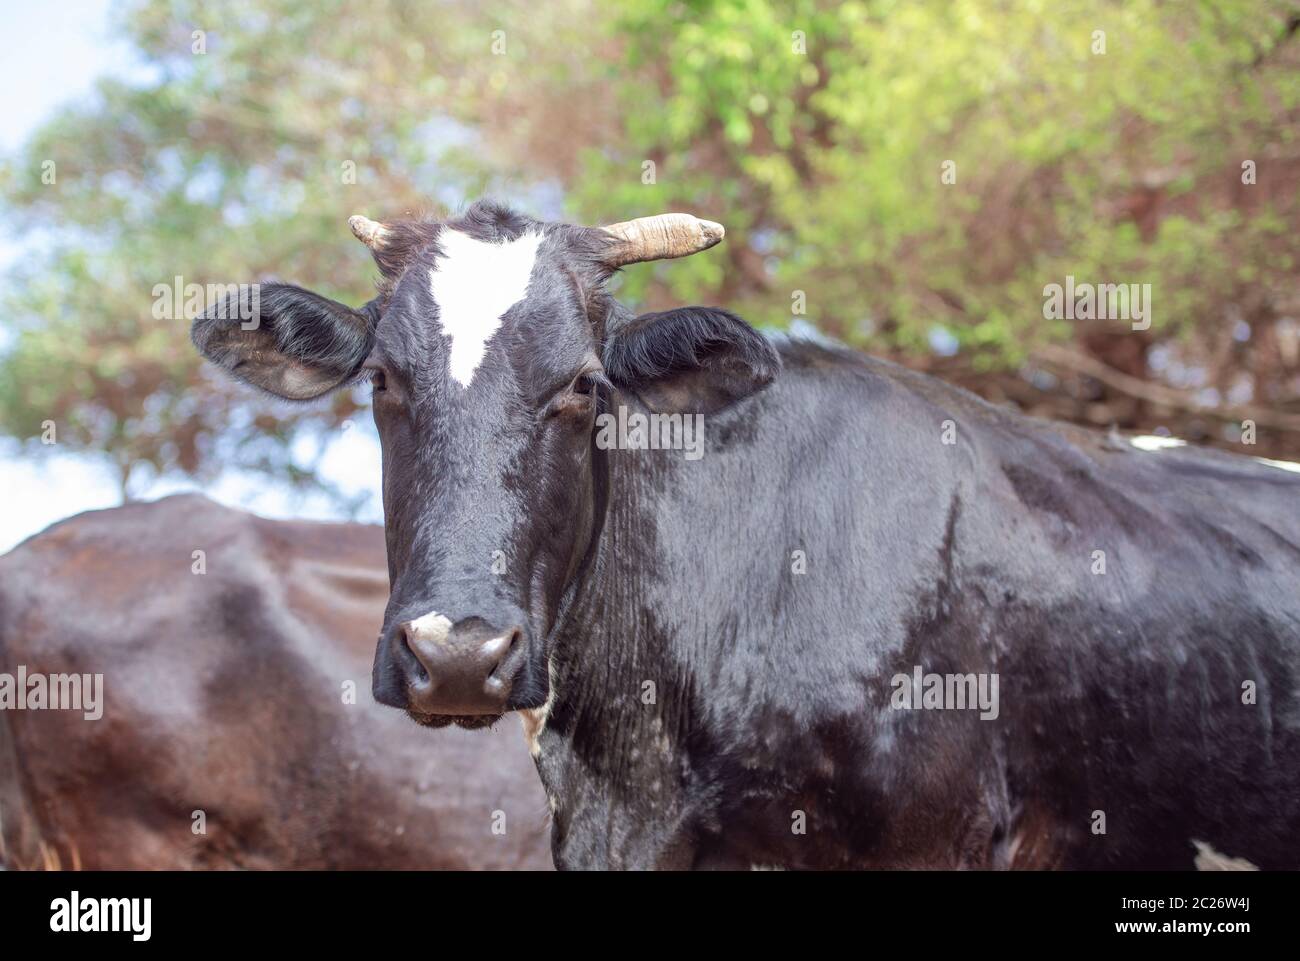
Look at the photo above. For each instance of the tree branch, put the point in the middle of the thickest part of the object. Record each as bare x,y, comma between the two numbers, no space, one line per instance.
1072,360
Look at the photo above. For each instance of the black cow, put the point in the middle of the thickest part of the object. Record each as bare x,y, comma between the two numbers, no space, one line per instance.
735,659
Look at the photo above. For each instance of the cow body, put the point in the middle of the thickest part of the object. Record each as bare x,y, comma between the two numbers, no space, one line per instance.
1120,692
722,653
236,685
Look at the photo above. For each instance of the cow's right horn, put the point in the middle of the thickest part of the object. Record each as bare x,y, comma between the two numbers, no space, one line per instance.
660,238
369,232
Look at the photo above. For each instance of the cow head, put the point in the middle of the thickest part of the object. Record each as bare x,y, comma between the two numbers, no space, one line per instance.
491,348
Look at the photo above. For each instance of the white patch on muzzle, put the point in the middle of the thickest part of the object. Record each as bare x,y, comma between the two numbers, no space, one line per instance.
432,627
474,283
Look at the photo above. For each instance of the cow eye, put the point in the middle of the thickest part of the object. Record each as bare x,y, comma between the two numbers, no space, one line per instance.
576,399
377,381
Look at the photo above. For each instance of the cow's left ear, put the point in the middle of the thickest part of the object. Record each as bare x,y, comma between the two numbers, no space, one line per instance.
690,360
288,341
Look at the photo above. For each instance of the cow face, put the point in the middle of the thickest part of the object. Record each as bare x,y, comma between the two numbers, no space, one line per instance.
491,349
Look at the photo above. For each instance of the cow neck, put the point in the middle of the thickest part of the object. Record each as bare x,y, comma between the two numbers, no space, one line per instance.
586,562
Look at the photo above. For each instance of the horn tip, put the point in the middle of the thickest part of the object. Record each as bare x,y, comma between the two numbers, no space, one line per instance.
366,230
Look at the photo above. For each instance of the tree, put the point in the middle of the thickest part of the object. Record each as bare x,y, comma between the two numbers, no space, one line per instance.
915,175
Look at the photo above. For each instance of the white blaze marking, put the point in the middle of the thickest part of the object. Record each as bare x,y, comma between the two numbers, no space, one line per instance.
431,627
474,283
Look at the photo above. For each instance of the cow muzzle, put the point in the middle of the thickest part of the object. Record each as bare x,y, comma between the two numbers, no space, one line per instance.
443,672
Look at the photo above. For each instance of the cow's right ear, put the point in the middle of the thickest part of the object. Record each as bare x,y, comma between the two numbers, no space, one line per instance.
690,360
285,340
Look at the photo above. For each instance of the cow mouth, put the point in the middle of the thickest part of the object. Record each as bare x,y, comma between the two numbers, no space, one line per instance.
468,721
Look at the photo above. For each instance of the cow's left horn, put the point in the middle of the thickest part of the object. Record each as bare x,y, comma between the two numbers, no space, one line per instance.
661,238
370,233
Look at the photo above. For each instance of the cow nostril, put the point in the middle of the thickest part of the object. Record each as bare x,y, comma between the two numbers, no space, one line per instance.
505,646
420,671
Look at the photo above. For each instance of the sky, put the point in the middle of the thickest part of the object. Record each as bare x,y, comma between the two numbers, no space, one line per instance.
54,52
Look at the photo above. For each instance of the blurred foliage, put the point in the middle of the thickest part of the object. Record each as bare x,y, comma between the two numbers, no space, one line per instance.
817,131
